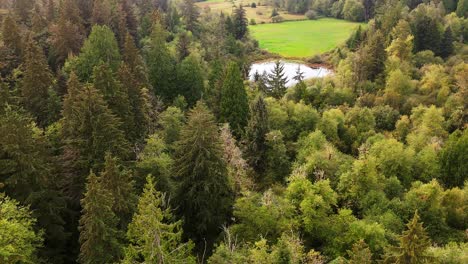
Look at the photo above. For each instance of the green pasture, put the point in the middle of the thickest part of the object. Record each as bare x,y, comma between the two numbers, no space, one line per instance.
303,38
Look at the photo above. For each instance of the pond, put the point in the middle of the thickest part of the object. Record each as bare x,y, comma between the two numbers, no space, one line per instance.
290,69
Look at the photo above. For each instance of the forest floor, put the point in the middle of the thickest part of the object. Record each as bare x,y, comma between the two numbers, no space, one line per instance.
303,38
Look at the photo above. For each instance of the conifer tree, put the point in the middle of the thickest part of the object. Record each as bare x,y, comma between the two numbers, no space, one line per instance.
115,95
276,81
99,237
11,35
204,195
138,117
100,47
89,130
133,59
23,9
101,13
66,38
190,13
190,83
161,64
413,244
240,22
119,183
462,8
215,84
183,46
446,46
154,236
360,253
36,85
234,105
255,132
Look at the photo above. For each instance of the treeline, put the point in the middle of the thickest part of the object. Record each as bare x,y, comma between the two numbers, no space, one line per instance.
128,134
360,10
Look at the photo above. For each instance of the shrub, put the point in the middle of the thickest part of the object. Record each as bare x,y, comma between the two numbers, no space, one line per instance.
311,15
277,19
274,13
253,5
252,22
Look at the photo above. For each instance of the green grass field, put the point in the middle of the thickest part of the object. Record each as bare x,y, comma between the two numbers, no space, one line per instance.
303,38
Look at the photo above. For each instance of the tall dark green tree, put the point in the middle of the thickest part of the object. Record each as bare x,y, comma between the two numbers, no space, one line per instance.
36,85
204,196
99,236
240,22
234,105
115,95
190,83
276,81
11,35
446,45
119,183
161,64
255,132
89,130
453,159
427,33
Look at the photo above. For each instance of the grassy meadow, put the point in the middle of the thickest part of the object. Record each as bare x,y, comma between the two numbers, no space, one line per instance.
303,38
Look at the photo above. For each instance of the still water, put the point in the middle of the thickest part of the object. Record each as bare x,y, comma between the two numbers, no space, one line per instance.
290,69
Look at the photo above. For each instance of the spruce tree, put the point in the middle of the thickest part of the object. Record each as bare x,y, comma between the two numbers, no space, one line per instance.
153,234
133,59
215,84
36,85
100,47
360,253
204,196
66,39
446,46
255,132
119,183
276,81
413,245
183,46
161,64
190,14
99,237
240,22
11,35
102,13
234,105
139,110
115,95
190,83
89,130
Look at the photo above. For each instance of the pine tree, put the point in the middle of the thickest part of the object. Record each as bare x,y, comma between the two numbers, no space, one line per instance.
139,110
446,46
115,95
133,59
101,13
161,64
119,183
255,132
99,237
153,236
413,244
89,130
66,39
11,35
183,46
240,22
234,105
36,85
360,253
100,47
276,81
204,194
190,83
190,13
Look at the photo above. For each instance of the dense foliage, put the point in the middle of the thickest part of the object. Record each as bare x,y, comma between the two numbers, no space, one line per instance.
129,133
